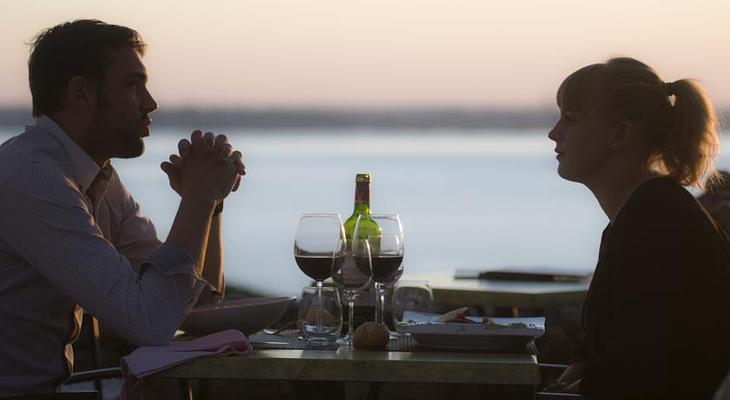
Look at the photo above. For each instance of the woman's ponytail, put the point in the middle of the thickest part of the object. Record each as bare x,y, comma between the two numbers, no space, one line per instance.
691,142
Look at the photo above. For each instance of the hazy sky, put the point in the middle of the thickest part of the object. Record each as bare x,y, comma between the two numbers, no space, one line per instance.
379,53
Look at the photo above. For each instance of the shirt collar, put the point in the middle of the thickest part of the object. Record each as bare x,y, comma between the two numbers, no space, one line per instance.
84,167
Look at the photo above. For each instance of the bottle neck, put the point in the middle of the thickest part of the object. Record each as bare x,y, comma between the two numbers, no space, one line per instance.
362,198
362,208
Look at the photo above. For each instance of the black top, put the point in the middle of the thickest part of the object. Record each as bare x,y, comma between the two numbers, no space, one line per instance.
656,315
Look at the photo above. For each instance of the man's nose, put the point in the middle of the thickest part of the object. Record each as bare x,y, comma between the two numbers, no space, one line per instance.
149,104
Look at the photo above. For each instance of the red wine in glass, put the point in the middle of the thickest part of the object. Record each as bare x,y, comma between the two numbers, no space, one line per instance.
318,268
385,266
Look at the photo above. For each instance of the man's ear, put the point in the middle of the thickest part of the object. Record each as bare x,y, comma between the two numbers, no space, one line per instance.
622,135
79,93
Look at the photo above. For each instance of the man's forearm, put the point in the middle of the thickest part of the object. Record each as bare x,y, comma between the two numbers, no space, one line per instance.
213,269
191,227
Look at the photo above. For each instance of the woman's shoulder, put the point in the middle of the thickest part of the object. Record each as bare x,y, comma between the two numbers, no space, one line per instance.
660,187
661,211
662,202
665,230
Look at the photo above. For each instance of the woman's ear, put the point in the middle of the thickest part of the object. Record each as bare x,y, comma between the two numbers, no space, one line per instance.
622,135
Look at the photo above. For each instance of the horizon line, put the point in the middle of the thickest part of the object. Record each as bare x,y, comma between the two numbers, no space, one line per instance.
471,118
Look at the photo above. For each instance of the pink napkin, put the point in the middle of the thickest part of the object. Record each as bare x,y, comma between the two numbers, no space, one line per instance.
148,360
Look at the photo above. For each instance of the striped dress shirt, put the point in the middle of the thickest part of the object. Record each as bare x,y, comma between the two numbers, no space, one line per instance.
72,237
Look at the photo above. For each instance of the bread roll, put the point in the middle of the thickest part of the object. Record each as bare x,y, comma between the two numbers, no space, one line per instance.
370,336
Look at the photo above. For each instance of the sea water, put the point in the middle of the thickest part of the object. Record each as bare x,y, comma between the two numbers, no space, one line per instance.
466,198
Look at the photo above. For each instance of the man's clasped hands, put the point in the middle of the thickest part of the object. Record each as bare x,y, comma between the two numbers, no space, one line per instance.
207,168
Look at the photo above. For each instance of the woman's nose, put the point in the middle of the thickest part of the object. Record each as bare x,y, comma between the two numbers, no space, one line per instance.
553,134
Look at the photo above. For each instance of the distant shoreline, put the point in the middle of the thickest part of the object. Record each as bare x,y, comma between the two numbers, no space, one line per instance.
416,118
402,118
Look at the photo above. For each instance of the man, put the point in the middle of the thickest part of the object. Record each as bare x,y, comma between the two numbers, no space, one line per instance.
71,237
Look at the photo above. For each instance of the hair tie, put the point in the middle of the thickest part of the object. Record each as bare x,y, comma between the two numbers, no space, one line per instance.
669,87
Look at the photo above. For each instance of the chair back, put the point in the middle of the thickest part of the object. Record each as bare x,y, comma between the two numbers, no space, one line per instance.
93,395
559,396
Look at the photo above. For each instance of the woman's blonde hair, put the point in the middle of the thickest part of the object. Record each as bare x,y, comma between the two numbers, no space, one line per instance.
677,117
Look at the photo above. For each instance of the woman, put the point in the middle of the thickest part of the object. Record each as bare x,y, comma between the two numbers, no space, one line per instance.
655,315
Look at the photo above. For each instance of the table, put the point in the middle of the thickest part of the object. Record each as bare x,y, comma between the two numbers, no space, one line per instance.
366,366
518,371
498,293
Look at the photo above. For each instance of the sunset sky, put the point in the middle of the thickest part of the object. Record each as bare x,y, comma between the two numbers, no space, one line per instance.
382,53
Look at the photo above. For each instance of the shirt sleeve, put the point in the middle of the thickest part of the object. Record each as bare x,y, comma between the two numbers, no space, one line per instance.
211,295
137,236
44,218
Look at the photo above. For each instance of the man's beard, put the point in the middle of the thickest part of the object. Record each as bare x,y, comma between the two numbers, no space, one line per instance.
115,138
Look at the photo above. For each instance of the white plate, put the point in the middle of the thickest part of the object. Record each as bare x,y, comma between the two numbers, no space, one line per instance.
472,342
247,315
448,335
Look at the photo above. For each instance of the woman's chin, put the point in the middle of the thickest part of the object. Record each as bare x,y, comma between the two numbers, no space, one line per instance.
568,175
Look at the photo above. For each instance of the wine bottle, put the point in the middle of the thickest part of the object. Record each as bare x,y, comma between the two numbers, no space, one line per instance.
368,227
364,302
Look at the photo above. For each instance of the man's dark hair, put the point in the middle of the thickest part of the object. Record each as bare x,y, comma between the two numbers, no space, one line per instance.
77,48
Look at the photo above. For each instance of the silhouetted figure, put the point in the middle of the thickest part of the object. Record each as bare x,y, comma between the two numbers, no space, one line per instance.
71,236
716,200
656,313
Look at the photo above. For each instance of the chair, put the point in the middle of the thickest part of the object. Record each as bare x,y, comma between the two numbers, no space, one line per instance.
83,376
554,370
92,395
558,396
95,374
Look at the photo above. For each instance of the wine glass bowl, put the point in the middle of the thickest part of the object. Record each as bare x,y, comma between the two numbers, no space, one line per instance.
387,257
390,224
319,249
386,253
354,272
351,277
318,244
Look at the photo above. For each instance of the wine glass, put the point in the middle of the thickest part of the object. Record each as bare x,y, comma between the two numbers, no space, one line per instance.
386,255
352,276
319,245
386,250
409,298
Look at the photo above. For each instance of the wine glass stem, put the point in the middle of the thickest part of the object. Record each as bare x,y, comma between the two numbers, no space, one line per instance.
351,317
321,306
378,303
